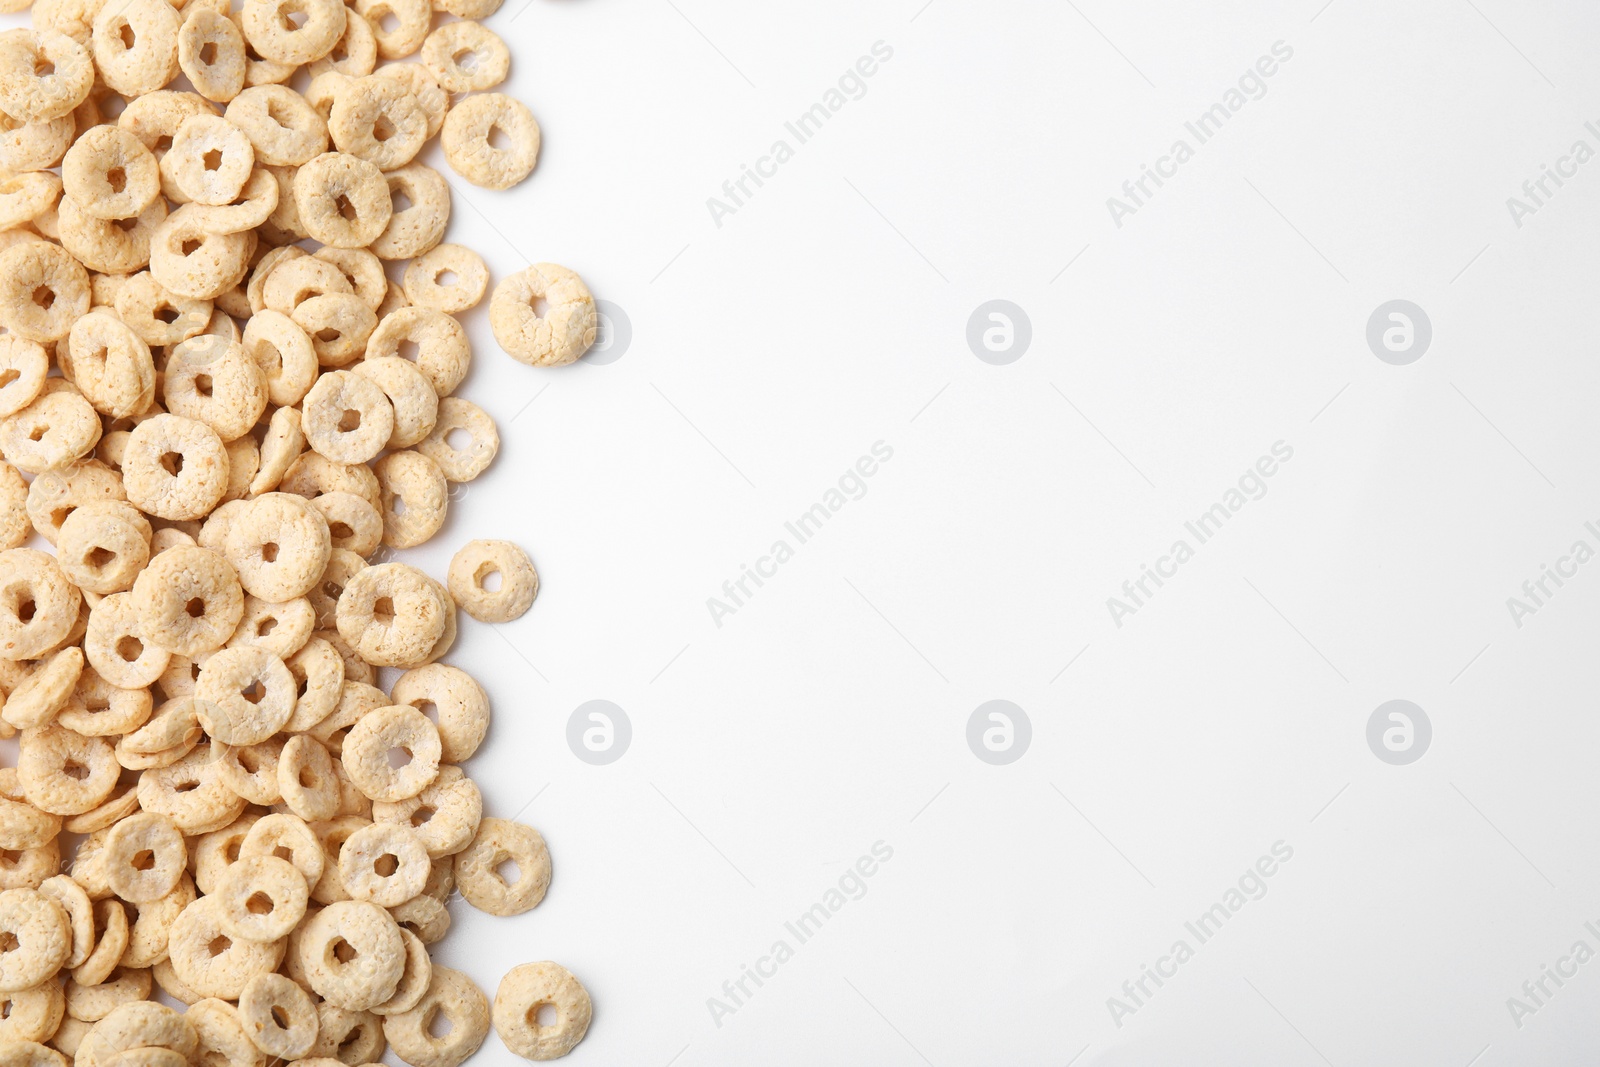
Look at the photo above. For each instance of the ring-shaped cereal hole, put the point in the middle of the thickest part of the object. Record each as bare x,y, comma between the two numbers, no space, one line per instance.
43,74
415,498
38,604
464,440
211,54
210,962
471,132
210,379
393,615
133,45
244,695
454,1009
280,628
346,417
43,290
117,646
448,278
416,405
353,954
399,26
144,857
339,326
251,771
279,545
342,200
421,200
295,32
211,159
102,547
64,773
110,365
175,468
279,1015
436,342
190,600
378,120
392,753
543,316
353,523
362,270
541,1011
110,173
158,316
263,898
285,130
506,868
466,57
384,863
189,258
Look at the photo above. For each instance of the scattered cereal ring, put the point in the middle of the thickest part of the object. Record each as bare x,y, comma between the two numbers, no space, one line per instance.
559,336
523,992
466,140
475,566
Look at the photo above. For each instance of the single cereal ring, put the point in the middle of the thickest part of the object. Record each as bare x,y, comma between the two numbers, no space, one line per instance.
26,146
110,364
262,898
342,563
175,468
378,120
37,604
281,628
271,31
286,837
215,853
79,909
312,474
354,56
307,779
278,1016
43,74
192,258
559,336
415,498
255,204
422,85
211,54
134,45
107,244
341,200
110,941
353,954
29,868
470,151
54,495
110,173
211,159
14,525
412,19
102,547
523,992
189,600
36,929
285,130
209,961
59,427
147,936
222,1038
459,418
413,980
279,545
319,672
294,280
244,457
40,696
356,699
251,771
43,290
71,17
361,270
99,709
444,817
466,57
477,868
244,695
476,564
284,222
384,863
144,1026
23,368
352,1037
393,615
22,826
327,85
157,315
353,523
452,995
259,71
91,1003
288,363
367,747
447,278
424,916
455,699
31,1014
338,325
441,349
144,857
192,793
23,196
346,417
210,379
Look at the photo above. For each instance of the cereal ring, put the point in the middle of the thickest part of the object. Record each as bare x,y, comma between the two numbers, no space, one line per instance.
447,278
342,563
110,173
259,71
353,523
147,935
341,200
392,614
109,244
123,801
293,281
211,54
452,995
45,691
262,898
33,1054
283,127
31,1014
37,604
280,628
110,940
209,961
279,546
254,206
436,341
384,863
278,1015
353,56
313,474
157,315
467,140
43,290
346,417
285,357
43,74
269,27
110,365
53,431
251,771
79,910
54,495
442,881
353,1037
22,196
412,19
102,547
135,45
24,826
518,1003
192,793
215,853
191,258
560,335
38,940
99,709
463,461
420,81
353,954
29,868
211,159
26,146
415,229
477,868
473,569
378,120
413,980
356,699
244,457
466,57
222,1038
338,325
424,916
367,753
71,17
319,672
361,269
415,498
211,380
444,817
23,367
144,857
467,9
307,780
175,468
459,704
244,695
286,837
144,1026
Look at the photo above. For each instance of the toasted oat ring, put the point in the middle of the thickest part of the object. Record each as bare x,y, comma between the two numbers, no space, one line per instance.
262,898
147,936
416,405
222,1039
447,278
43,693
37,603
361,269
413,17
285,357
158,316
308,780
283,127
191,792
413,980
419,80
102,547
192,947
29,868
346,417
211,159
444,817
353,523
133,45
475,563
559,336
353,954
43,290
31,1014
268,27
174,723
451,994
244,695
269,998
191,258
110,940
446,49
291,281
107,244
280,628
33,145
356,699
342,563
392,614
99,709
338,325
23,196
443,353
110,365
459,702
189,600
110,173
175,468
279,545
313,473
478,877
367,747
415,498
251,771
523,992
468,148
79,909
357,1036
56,429
210,379
253,207
384,863
378,120
23,366
24,826
54,495
144,857
91,1003
335,183
424,916
27,94
319,672
353,56
211,53
117,645
38,938
286,837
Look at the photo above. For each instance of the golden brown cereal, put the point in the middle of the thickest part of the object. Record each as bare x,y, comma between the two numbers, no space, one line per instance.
523,992
342,563
353,56
110,365
103,546
341,200
278,1016
36,929
79,910
293,280
94,1002
191,792
175,468
281,628
412,19
466,57
191,257
279,545
37,604
461,460
54,495
353,954
31,1014
435,340
222,1038
135,45
468,146
211,380
29,868
158,316
268,27
123,801
284,354
262,898
448,278
393,615
40,696
313,473
244,458
209,961
211,159
415,497
444,817
22,196
422,85
285,130
366,754
59,427
244,695
338,325
378,120
23,367
43,291
144,857
211,54
347,417
33,1054
458,702
110,173
452,995
318,670
478,868
384,863
474,568
413,981
560,335
108,244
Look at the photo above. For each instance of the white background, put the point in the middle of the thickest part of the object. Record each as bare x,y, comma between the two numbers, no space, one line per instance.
830,711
